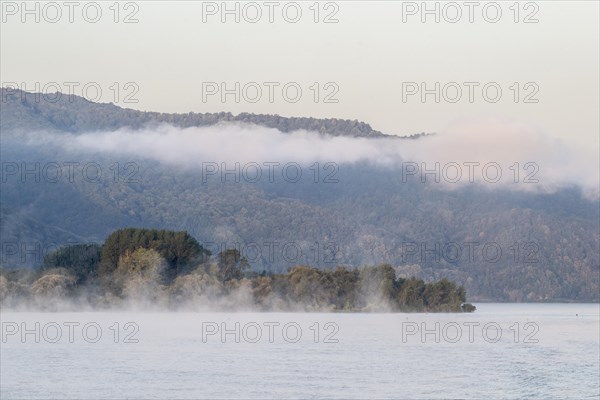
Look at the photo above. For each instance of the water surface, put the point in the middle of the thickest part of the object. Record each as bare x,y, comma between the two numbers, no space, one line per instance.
507,351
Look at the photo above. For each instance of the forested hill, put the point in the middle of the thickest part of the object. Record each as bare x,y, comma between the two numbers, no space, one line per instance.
171,269
500,244
24,111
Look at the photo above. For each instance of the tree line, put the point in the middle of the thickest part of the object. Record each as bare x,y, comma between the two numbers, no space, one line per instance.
161,265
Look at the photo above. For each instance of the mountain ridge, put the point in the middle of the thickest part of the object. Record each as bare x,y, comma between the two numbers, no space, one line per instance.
368,216
29,107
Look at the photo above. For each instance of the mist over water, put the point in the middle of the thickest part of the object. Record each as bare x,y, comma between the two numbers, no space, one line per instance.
548,351
299,200
56,291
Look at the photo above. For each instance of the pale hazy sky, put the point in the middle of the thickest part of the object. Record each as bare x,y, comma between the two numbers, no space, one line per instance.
368,54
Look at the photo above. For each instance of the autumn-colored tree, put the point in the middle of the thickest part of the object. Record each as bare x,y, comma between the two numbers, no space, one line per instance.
231,265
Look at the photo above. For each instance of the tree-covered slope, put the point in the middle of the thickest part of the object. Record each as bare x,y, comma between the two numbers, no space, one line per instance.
549,242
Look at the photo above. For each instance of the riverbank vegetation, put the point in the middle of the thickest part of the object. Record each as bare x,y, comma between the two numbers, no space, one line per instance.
159,268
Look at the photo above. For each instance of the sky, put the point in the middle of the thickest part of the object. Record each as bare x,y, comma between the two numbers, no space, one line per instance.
369,61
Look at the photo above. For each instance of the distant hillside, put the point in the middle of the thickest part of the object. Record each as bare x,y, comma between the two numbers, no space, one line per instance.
550,242
23,111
